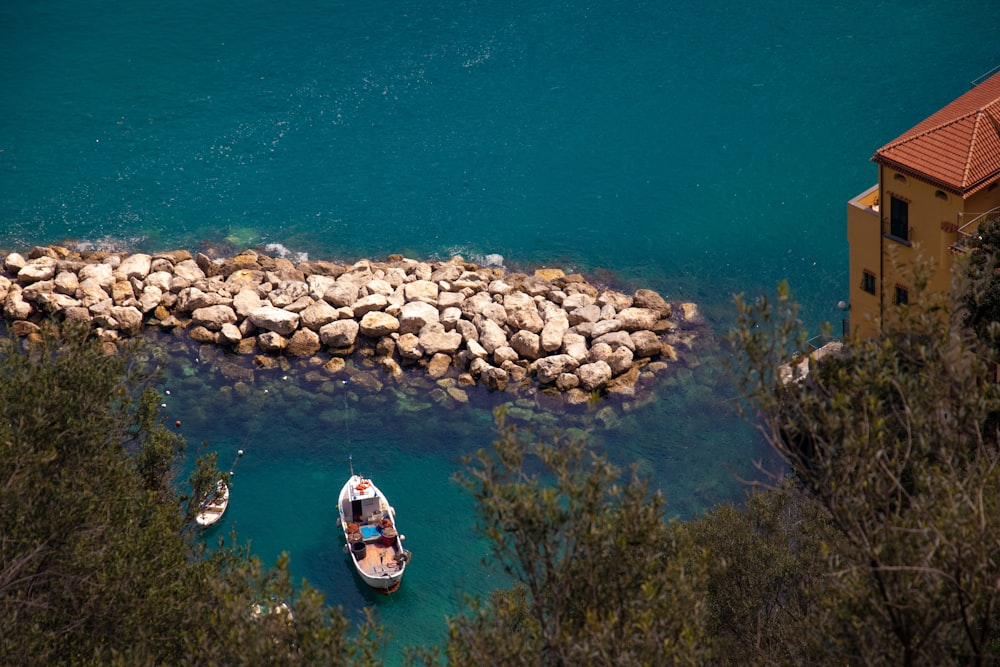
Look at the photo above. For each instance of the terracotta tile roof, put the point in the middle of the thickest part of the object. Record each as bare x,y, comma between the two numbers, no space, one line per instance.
957,148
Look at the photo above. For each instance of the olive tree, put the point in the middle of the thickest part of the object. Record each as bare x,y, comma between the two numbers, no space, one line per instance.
892,439
97,564
596,566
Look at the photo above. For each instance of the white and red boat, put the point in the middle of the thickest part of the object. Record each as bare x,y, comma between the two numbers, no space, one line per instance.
372,541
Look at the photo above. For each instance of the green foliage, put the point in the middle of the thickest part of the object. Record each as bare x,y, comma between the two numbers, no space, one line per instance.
982,304
891,441
96,564
599,583
765,571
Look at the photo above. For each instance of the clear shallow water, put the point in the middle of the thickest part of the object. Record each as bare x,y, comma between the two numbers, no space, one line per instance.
699,149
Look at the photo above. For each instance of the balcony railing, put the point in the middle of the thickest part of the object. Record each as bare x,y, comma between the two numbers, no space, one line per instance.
967,229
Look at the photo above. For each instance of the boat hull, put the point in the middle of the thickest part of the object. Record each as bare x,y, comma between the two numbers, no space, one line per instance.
371,541
214,506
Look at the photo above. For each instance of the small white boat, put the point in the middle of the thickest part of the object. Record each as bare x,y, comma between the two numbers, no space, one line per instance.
213,505
215,502
371,539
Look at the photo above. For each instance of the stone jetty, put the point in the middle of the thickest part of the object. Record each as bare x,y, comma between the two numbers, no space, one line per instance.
500,329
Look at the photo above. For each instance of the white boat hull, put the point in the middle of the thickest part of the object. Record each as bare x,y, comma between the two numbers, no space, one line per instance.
214,506
373,545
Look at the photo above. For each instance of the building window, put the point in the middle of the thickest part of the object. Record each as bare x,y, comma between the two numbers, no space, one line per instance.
902,296
900,178
868,282
940,194
899,219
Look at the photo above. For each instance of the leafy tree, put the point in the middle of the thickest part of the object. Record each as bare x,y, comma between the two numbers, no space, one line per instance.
96,566
982,303
767,568
892,440
598,582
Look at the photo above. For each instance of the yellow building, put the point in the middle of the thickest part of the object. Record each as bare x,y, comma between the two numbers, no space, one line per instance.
936,183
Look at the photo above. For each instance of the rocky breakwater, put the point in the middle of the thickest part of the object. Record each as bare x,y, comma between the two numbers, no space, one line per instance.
506,331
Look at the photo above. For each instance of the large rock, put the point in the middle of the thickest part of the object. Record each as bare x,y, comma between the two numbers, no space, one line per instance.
91,292
342,293
647,298
340,334
450,300
66,282
434,339
491,336
578,300
645,343
369,304
188,272
14,262
43,268
588,313
616,300
246,301
594,376
318,314
101,274
603,327
274,319
244,279
150,298
288,292
438,365
129,319
548,369
379,286
474,304
527,344
230,334
415,315
575,345
376,324
408,346
272,342
556,326
621,360
304,343
191,298
123,293
691,313
39,291
161,279
56,302
421,290
450,317
615,339
213,317
319,284
638,319
14,306
134,266
491,377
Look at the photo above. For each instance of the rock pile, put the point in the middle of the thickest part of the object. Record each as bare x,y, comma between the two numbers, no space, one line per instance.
490,326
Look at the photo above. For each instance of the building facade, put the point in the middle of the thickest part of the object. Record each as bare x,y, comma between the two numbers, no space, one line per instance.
936,183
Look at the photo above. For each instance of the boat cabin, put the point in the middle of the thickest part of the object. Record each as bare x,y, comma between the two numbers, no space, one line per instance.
364,505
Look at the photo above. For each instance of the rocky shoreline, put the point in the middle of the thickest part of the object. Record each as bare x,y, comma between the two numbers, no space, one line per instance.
461,324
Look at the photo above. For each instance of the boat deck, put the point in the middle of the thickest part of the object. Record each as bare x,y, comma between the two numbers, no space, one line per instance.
379,560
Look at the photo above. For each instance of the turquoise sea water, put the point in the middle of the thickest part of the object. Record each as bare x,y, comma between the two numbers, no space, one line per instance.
699,149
